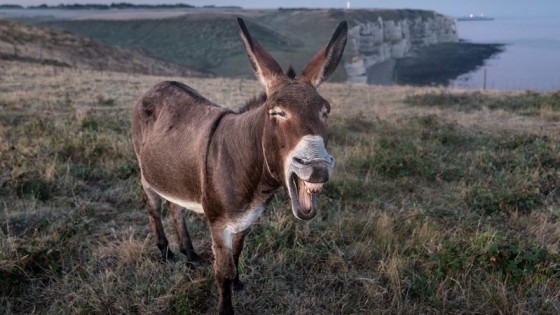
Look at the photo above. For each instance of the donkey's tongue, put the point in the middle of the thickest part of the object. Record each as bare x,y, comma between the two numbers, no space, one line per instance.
305,199
306,192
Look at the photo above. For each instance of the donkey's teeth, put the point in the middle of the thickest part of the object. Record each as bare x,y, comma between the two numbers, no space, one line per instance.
313,188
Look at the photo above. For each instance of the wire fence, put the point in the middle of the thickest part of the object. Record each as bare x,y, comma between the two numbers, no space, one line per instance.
510,79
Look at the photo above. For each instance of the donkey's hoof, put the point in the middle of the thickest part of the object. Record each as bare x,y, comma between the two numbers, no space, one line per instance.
168,257
193,260
194,263
226,311
238,285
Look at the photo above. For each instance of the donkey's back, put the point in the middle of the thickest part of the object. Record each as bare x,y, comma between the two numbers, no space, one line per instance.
171,125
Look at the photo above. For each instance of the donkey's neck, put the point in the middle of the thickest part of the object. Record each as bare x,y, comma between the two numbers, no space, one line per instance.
236,158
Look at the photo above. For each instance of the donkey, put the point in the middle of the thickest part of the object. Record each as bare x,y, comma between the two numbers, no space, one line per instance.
227,165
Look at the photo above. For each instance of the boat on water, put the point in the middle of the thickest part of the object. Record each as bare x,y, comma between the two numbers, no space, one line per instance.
474,17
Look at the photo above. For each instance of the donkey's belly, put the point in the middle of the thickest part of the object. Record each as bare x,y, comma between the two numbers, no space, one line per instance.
188,204
176,180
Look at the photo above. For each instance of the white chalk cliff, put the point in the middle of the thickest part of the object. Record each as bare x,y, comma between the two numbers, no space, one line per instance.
378,43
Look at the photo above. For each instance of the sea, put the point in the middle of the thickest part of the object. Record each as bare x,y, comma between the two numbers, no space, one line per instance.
530,59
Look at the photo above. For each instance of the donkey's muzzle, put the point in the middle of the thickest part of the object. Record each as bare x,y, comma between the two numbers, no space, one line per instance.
317,170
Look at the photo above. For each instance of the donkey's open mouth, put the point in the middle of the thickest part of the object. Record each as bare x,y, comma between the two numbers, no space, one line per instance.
309,168
304,197
304,193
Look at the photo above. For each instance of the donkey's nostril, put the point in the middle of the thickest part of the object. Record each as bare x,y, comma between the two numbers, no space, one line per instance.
313,162
299,161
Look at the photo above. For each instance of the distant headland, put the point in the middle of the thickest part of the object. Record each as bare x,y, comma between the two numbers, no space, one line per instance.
119,5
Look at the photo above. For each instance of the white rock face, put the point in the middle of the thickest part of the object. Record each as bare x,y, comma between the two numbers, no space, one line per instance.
374,42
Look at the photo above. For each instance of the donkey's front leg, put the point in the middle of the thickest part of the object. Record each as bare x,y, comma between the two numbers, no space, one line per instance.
224,268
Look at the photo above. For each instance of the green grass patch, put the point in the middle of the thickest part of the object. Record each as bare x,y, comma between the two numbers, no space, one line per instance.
45,157
502,255
528,103
492,173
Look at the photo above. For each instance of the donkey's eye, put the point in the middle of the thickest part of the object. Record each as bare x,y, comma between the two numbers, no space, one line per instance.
325,115
278,113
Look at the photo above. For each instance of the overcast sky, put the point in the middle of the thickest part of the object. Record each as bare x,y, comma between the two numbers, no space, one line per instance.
451,7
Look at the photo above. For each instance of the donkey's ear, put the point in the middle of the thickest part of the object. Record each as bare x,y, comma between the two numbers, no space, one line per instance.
324,63
265,67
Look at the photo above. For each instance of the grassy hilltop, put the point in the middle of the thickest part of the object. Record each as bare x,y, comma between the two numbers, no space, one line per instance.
209,40
441,202
32,44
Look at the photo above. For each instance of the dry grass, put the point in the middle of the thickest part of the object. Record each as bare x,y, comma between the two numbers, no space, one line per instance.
430,210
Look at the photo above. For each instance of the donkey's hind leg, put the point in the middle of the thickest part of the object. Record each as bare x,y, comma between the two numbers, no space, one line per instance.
153,203
237,248
183,237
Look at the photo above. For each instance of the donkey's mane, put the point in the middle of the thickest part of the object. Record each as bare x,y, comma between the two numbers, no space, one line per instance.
254,102
291,73
257,101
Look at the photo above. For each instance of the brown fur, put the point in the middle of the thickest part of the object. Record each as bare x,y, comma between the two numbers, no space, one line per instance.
191,150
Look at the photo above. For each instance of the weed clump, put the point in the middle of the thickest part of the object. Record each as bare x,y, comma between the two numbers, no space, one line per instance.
503,197
416,150
32,185
401,159
500,255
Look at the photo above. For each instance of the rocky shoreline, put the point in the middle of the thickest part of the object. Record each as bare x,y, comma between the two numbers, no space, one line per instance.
439,64
414,49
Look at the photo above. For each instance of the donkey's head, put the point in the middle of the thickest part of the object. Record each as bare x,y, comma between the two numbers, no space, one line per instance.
295,133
